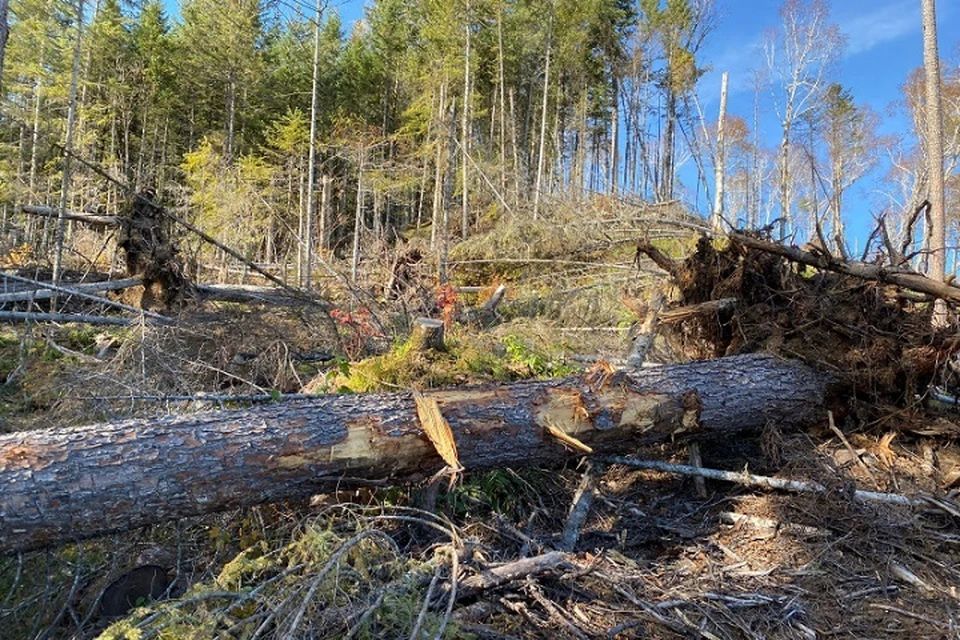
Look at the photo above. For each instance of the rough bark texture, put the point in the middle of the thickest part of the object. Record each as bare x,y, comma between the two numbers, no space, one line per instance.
65,484
900,277
427,335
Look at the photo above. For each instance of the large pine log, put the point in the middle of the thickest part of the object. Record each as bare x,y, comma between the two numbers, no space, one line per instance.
65,484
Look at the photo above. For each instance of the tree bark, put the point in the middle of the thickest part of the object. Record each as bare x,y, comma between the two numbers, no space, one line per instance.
358,224
427,335
465,136
900,277
61,485
934,116
68,149
543,122
721,158
312,161
4,31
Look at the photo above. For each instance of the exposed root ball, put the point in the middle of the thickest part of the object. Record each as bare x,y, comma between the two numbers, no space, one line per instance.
877,343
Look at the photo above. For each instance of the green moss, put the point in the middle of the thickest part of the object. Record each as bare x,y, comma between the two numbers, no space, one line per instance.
82,338
263,580
679,247
468,359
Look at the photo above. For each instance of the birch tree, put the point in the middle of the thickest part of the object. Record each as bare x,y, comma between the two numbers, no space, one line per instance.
799,57
852,148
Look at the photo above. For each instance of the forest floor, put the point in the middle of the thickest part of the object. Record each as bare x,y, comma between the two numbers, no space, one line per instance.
657,557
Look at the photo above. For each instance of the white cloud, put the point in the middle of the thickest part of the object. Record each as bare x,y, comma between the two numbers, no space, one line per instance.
879,25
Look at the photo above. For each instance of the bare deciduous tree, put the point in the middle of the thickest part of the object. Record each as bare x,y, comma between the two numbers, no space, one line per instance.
799,57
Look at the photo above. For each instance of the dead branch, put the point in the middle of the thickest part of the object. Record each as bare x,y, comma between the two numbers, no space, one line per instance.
49,289
767,482
682,313
43,294
900,277
579,510
494,577
25,316
662,260
93,219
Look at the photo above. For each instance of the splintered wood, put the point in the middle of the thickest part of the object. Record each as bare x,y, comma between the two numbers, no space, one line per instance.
437,429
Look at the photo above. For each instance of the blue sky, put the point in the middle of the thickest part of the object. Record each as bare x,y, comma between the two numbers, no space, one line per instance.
883,44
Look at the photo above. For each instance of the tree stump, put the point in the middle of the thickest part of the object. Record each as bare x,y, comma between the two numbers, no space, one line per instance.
427,335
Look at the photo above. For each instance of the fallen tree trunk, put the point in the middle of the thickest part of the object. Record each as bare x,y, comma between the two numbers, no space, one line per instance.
76,291
66,484
898,276
37,293
93,219
28,316
246,294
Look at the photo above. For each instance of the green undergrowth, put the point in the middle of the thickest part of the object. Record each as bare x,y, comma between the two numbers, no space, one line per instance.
469,358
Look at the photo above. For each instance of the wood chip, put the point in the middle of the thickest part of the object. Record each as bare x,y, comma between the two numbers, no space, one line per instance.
437,429
567,439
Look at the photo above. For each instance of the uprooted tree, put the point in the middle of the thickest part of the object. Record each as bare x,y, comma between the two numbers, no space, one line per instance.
150,253
66,484
866,323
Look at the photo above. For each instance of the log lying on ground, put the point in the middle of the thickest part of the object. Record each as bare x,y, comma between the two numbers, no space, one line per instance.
247,294
66,484
94,219
898,276
75,291
27,316
37,293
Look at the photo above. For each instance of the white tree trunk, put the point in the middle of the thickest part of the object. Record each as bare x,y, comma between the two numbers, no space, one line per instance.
543,125
312,161
357,221
465,136
931,65
721,159
438,169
